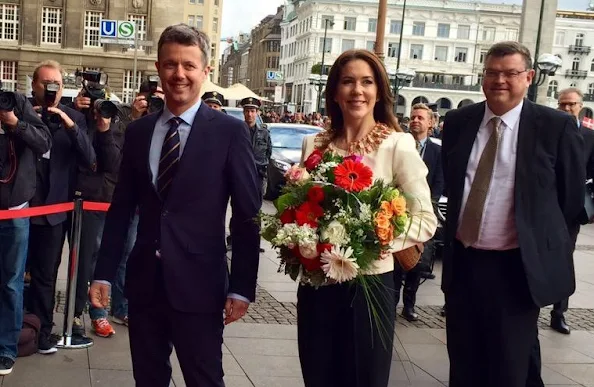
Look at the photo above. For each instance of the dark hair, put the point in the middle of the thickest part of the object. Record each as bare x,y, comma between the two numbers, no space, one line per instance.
501,49
382,111
187,36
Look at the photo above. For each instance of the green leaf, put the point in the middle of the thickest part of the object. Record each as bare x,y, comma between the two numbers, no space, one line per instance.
285,201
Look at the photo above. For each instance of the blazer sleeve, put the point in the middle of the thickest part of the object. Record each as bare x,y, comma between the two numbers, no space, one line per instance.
437,184
80,140
117,221
410,176
570,171
30,129
246,201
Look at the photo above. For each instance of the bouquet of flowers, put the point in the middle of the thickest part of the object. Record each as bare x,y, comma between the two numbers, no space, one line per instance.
333,222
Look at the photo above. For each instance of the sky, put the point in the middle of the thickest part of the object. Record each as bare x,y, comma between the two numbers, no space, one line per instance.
243,15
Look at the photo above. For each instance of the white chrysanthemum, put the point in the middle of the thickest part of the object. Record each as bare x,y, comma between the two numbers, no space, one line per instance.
339,264
335,233
292,234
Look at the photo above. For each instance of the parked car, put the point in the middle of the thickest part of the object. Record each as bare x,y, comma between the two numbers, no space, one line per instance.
287,140
238,113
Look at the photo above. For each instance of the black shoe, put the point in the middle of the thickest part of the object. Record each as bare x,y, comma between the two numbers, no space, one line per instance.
6,365
77,326
46,346
409,314
262,250
559,324
442,312
427,275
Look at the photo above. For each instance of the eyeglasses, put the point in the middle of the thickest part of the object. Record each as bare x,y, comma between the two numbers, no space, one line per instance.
507,74
568,104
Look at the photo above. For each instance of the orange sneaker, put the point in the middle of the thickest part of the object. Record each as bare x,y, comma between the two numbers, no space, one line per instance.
103,328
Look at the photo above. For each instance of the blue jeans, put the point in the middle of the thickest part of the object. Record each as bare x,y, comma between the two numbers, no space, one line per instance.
119,303
14,238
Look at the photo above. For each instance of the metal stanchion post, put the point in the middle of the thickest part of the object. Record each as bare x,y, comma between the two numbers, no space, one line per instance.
68,341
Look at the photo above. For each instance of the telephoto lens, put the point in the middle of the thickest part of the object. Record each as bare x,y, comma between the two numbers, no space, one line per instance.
155,104
106,109
7,101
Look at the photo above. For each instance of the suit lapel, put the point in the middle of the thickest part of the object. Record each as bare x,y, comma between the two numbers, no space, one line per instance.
149,139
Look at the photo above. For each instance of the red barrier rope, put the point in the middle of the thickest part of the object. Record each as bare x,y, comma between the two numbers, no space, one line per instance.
51,209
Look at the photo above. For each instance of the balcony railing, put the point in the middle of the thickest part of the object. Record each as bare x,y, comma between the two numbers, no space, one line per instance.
576,73
573,49
446,86
589,97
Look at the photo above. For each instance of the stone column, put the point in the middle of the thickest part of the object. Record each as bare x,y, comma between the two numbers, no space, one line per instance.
529,32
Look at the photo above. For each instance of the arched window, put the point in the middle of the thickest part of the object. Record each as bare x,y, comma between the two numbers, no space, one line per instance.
553,87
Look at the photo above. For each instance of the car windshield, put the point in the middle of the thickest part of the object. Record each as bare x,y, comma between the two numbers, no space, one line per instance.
289,138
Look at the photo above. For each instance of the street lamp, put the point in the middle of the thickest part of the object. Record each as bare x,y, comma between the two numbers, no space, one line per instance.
402,77
547,64
326,22
318,82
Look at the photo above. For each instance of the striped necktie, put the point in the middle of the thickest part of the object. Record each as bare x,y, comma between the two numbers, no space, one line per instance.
169,161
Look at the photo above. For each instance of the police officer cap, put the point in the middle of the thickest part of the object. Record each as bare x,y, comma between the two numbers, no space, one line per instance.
214,97
251,102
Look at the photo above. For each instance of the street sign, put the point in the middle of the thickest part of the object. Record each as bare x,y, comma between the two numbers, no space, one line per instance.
117,32
274,76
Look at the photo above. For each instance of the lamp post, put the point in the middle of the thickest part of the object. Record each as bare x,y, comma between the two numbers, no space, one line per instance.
380,29
402,77
326,22
318,82
397,87
547,64
533,89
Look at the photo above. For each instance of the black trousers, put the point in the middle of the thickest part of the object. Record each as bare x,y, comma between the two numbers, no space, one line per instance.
339,344
45,253
491,319
156,328
412,278
90,241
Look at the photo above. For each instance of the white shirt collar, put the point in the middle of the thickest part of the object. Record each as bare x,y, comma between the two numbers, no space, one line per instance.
510,118
187,116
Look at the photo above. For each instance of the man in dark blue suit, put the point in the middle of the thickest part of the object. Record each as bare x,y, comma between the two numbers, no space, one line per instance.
180,167
421,120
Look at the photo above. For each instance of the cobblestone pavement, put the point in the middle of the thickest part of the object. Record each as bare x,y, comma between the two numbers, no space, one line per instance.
267,310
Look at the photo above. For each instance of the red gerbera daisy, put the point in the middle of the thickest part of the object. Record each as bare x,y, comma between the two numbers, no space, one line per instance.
315,194
353,176
308,213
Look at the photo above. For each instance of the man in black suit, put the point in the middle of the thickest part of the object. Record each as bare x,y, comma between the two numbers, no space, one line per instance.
180,167
421,120
47,233
515,187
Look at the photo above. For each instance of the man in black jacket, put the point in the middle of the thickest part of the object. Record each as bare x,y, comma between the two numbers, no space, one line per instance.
421,120
46,236
23,137
95,184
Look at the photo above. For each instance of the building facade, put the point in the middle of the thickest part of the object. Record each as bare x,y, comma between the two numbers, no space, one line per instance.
234,62
574,39
207,16
443,42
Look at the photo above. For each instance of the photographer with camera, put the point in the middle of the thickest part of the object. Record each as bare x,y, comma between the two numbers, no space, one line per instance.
46,237
150,98
23,136
95,184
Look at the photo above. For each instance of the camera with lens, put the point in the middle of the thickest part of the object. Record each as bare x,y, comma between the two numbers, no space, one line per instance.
7,100
94,83
50,93
155,103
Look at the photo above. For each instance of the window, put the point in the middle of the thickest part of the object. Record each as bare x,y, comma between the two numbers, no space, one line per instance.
441,53
325,44
51,25
216,3
273,46
92,26
272,62
458,79
482,56
191,20
395,27
327,19
350,23
348,44
592,65
372,25
438,78
463,32
129,88
370,46
576,64
393,50
8,75
579,39
140,21
479,78
416,51
460,54
489,34
591,89
215,24
199,22
443,30
560,38
9,22
553,86
418,28
511,34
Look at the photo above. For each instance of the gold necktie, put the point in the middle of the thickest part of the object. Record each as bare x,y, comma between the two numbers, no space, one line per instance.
473,211
419,146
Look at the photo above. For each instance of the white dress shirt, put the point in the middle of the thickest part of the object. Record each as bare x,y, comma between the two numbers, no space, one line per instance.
498,226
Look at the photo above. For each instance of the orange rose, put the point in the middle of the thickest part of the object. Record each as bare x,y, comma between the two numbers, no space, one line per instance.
385,235
382,221
386,209
399,206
